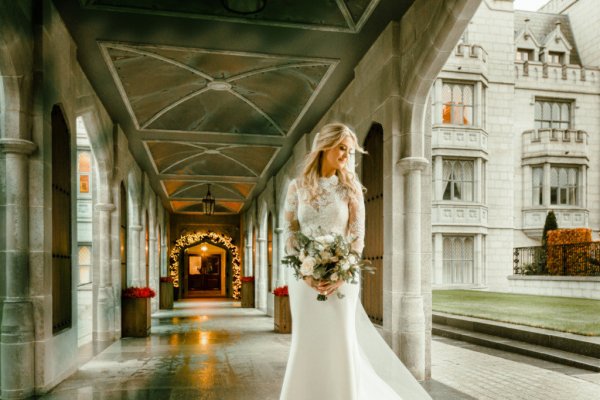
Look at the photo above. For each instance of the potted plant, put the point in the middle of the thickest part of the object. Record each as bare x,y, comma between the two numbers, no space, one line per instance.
135,311
248,292
166,293
283,315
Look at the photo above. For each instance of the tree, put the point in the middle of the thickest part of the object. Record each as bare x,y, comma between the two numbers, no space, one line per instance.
549,225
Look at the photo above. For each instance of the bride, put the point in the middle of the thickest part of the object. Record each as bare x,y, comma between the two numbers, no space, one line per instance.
336,353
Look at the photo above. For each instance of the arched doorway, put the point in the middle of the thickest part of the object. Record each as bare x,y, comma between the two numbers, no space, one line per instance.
61,223
372,284
147,247
123,235
270,252
232,270
205,270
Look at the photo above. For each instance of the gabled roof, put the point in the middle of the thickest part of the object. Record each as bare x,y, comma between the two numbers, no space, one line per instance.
542,25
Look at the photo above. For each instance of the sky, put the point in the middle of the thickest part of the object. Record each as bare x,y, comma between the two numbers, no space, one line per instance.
529,5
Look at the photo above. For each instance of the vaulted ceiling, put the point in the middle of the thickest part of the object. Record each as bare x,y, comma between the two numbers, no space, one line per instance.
207,95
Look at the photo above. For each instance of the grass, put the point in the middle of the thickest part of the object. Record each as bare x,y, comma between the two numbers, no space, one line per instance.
579,316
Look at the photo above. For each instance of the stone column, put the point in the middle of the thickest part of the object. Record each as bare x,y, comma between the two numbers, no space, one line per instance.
17,329
248,257
281,273
104,329
133,266
154,265
412,318
438,251
546,188
437,106
438,173
261,280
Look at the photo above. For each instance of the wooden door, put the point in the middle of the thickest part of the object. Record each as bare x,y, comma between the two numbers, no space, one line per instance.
372,284
61,223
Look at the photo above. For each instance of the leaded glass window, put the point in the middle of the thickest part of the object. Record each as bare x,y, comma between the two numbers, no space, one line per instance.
457,101
552,114
458,180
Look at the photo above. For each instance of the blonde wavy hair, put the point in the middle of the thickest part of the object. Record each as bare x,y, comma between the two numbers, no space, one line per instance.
330,136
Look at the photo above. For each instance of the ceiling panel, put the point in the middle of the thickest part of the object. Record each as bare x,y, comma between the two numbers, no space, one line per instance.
327,15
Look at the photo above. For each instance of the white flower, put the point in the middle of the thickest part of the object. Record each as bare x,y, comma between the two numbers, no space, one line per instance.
345,266
308,266
352,259
302,255
325,239
334,277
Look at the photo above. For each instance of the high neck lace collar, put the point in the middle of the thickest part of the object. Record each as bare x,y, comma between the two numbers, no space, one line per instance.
328,180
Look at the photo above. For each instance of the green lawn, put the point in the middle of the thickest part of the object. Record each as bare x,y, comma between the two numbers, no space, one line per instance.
581,316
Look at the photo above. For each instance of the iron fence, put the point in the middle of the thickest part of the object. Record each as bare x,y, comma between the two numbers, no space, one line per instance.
577,259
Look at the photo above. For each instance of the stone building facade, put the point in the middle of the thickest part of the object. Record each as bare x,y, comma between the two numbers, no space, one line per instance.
60,148
515,116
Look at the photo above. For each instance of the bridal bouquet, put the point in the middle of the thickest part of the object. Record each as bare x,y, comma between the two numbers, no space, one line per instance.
327,257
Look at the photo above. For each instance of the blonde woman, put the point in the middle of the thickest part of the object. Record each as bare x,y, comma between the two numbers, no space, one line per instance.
336,353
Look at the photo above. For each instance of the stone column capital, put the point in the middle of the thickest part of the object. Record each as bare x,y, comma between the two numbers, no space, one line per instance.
279,230
105,207
261,240
408,164
136,228
18,146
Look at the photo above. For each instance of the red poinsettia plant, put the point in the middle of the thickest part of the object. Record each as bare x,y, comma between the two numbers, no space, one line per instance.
281,291
166,279
138,292
247,279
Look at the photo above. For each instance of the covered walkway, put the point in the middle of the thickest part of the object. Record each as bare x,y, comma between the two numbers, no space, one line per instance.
213,349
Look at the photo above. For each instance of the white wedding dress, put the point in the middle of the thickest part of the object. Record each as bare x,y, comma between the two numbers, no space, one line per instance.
336,353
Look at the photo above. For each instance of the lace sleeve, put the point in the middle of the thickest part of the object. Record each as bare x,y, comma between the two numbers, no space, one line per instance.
356,220
291,223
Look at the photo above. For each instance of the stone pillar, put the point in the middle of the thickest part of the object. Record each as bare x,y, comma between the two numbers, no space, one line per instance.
281,273
437,106
104,310
438,174
17,328
261,280
154,265
248,257
412,318
546,188
133,266
438,251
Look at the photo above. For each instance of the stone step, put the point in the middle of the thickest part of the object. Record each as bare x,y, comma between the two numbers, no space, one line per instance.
583,345
515,346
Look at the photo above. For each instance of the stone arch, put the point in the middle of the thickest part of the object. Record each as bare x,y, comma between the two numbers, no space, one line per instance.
218,239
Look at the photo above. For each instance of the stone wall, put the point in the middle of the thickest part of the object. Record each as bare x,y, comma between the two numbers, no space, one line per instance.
37,47
561,286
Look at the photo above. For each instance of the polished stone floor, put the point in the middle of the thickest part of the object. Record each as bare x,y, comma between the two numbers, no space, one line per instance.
213,349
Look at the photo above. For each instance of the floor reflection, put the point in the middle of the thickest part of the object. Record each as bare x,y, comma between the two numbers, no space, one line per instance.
202,349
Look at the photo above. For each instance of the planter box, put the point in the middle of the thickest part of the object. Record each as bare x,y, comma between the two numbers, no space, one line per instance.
247,294
283,315
135,317
166,295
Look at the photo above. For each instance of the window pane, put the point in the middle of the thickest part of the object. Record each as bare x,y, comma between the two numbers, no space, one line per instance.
446,93
84,184
84,162
468,95
546,112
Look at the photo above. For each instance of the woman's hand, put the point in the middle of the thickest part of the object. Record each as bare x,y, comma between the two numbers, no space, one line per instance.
323,287
328,288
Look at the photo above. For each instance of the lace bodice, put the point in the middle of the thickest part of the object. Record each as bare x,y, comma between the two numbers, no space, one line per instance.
334,210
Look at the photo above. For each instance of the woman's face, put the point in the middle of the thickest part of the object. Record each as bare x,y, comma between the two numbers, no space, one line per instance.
337,156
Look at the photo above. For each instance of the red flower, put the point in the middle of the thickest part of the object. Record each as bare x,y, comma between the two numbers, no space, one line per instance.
166,279
138,292
248,279
281,291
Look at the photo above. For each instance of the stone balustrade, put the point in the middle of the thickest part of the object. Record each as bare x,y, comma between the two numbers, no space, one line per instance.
459,214
533,219
537,71
548,142
446,136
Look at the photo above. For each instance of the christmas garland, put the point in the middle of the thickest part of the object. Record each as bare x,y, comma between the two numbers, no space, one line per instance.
216,238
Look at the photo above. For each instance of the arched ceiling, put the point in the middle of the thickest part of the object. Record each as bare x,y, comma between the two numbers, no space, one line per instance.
208,96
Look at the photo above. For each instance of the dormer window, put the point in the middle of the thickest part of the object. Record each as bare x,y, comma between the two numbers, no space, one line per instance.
524,55
555,57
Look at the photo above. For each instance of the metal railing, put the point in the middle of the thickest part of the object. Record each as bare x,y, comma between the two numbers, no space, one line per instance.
577,259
